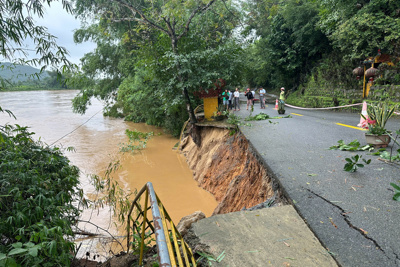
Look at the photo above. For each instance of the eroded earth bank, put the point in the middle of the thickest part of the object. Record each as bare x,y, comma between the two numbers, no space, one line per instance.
228,167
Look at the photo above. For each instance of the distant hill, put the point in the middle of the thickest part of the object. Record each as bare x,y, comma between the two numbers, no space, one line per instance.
16,73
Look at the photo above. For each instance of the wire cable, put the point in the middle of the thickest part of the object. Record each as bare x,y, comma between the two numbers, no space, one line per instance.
75,128
352,105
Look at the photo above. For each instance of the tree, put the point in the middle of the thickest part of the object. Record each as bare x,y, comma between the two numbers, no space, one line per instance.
17,24
360,28
290,42
158,22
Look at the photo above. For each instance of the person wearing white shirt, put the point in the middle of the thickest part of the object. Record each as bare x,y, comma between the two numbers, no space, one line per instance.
262,99
236,95
230,100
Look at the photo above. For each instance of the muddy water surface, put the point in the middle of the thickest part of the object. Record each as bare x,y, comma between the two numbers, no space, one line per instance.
96,140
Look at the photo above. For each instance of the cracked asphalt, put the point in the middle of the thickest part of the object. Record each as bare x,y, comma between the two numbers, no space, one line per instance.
352,214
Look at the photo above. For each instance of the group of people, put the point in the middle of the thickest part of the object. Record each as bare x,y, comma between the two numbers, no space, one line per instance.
230,99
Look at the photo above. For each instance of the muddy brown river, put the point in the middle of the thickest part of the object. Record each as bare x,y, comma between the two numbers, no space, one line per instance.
96,140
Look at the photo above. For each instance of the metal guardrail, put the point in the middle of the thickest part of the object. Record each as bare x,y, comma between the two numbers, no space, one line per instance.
170,244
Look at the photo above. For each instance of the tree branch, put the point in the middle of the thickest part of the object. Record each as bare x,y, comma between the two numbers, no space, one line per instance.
199,9
104,231
144,19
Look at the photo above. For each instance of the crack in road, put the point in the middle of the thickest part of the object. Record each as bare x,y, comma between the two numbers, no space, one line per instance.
347,220
395,254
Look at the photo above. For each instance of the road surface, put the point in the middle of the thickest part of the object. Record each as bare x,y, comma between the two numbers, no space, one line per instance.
352,214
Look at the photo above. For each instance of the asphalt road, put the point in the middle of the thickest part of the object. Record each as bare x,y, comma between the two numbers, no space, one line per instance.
352,214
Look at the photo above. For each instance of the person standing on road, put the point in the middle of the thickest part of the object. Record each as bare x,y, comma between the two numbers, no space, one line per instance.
236,95
230,100
254,96
262,99
250,98
282,95
281,105
225,98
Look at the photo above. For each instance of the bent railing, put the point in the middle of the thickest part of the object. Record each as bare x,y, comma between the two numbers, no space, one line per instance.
170,244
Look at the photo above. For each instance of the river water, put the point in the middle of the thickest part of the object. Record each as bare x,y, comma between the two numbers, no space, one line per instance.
96,140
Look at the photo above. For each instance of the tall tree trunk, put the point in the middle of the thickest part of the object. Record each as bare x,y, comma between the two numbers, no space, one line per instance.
194,130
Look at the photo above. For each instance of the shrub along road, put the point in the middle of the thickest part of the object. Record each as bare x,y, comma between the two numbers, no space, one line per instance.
352,214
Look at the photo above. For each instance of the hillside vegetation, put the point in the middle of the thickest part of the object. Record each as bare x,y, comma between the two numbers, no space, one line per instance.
16,77
20,73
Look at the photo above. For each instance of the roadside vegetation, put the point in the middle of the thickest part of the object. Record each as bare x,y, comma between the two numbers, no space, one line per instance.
40,201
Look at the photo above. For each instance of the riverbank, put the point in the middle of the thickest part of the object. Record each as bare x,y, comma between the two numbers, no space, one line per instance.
226,166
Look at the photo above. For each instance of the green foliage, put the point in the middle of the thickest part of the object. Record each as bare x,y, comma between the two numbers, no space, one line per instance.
137,238
389,74
15,73
359,29
389,156
353,163
233,119
314,45
210,258
396,195
352,146
110,193
144,99
392,156
258,117
379,114
261,116
156,66
290,43
39,201
17,25
137,141
26,78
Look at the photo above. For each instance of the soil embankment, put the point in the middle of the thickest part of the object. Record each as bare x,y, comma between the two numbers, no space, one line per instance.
226,166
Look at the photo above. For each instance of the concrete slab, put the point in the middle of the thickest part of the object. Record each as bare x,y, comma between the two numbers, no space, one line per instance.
268,237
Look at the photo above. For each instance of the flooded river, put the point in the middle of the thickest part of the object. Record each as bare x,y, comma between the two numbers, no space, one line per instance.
96,140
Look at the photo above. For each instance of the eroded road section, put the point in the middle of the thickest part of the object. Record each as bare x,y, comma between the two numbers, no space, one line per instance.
352,214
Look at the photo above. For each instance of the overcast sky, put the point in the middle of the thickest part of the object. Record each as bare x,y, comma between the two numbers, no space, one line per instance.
62,25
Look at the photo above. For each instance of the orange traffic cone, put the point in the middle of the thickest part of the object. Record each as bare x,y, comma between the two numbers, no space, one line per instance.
276,105
365,113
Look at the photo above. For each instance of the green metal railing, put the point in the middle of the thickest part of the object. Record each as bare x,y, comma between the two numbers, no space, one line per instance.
171,247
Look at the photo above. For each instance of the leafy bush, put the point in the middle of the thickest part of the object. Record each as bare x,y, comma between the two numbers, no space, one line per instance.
38,198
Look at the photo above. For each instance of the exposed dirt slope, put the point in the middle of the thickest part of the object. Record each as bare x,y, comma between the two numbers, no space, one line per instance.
225,166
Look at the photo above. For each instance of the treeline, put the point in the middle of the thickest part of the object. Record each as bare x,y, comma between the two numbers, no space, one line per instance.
151,57
320,41
48,80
